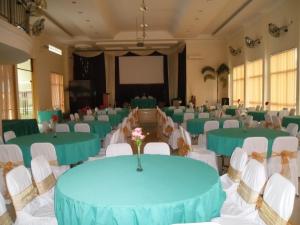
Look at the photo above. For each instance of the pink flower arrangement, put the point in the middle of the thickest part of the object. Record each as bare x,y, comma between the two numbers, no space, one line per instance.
137,136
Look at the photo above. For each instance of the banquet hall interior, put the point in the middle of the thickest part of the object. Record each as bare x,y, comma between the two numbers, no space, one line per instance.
149,112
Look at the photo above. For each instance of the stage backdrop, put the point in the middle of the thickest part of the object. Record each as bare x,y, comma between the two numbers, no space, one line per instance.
136,80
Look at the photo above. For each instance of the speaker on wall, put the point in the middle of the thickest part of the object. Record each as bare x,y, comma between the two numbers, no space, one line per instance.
225,101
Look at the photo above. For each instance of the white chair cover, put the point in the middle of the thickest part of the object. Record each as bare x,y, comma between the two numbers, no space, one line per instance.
292,129
111,111
72,117
48,151
281,144
103,118
189,110
256,144
276,122
77,117
3,210
254,177
82,127
45,127
188,116
157,148
41,169
62,127
178,111
292,112
231,124
118,150
37,212
8,135
238,162
208,126
203,115
88,118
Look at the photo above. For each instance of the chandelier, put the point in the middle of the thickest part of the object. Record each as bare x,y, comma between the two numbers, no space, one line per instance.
144,9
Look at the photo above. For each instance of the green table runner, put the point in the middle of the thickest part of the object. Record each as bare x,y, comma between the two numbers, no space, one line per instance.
70,147
196,126
291,119
258,116
143,103
20,127
224,141
47,115
101,128
110,191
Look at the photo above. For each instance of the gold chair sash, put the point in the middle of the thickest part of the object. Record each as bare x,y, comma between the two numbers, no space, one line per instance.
234,174
53,163
250,196
260,157
168,130
285,156
15,164
5,219
46,184
22,199
183,148
268,215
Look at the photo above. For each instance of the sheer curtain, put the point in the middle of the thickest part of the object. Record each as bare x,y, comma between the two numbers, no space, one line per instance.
283,79
254,84
238,80
8,97
57,91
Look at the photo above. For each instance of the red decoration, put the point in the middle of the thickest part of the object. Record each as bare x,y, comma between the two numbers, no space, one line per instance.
54,118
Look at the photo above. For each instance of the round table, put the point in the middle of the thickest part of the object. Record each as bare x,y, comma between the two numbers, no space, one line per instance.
70,147
257,115
169,190
101,128
291,119
224,141
196,126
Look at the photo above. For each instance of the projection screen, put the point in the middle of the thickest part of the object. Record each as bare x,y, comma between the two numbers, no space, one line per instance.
141,70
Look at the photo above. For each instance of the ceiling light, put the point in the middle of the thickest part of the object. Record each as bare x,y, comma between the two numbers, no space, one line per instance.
144,25
54,49
143,7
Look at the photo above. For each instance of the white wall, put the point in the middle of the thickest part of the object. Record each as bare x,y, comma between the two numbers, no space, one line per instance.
211,53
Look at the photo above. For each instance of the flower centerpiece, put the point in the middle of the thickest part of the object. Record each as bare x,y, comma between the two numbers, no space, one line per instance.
137,136
53,122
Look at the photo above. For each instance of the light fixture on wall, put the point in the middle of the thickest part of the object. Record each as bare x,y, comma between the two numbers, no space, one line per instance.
276,31
234,52
251,43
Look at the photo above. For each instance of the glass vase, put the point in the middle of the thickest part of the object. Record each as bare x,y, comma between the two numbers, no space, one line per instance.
139,165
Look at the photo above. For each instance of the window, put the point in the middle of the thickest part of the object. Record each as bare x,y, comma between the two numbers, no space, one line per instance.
238,84
283,77
57,91
24,82
8,101
254,87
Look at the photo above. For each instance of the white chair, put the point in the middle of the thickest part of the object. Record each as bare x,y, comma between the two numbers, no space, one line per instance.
283,113
241,204
118,150
208,126
82,127
48,151
9,153
224,116
188,116
189,110
8,135
231,124
4,215
62,127
77,117
72,117
231,179
157,148
257,148
292,129
276,122
111,111
43,176
88,118
279,196
34,209
178,111
174,135
284,159
203,115
103,118
292,112
45,127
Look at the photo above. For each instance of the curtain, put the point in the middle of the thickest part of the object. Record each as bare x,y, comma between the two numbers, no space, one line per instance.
283,80
57,91
182,76
254,87
8,98
238,84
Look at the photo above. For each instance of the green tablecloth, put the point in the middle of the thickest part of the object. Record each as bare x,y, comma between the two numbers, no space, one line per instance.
169,112
143,103
101,128
230,111
123,113
46,115
178,117
258,116
196,126
291,119
224,141
20,127
111,192
115,119
70,147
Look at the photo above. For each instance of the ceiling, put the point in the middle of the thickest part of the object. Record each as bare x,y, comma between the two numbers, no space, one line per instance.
111,23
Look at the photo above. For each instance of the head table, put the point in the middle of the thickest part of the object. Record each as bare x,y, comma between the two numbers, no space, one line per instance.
70,147
110,191
224,141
